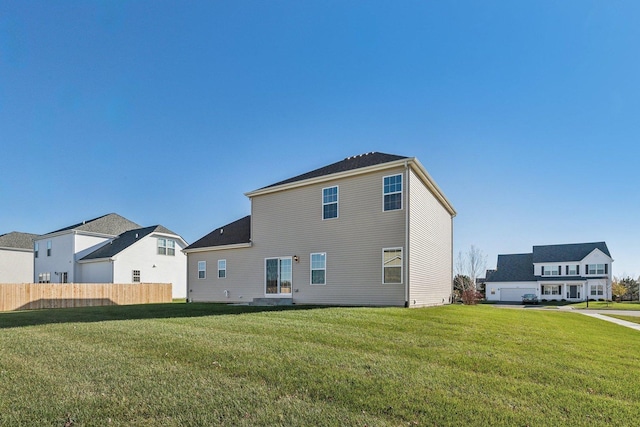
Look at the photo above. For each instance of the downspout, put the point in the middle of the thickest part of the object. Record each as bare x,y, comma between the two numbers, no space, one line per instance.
406,238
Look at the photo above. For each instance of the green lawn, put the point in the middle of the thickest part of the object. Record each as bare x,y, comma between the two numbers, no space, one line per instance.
603,305
201,365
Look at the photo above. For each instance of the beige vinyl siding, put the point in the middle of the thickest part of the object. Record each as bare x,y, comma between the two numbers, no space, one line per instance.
430,247
289,223
242,281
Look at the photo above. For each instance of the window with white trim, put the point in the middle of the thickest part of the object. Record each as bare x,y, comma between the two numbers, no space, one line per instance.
36,248
44,278
597,289
319,268
222,268
550,270
551,290
392,266
392,192
135,276
572,270
330,202
166,247
596,269
202,269
48,249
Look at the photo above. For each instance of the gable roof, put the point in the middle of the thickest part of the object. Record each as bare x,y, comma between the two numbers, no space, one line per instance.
569,252
17,240
350,163
111,224
237,232
125,240
513,268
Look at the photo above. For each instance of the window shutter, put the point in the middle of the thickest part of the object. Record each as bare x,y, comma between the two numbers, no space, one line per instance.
606,269
578,269
559,270
567,270
586,269
542,271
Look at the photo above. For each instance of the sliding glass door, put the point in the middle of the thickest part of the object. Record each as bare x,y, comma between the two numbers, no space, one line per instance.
278,276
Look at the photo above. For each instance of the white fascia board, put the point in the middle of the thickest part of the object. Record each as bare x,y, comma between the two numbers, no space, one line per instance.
330,177
591,253
87,261
84,233
218,248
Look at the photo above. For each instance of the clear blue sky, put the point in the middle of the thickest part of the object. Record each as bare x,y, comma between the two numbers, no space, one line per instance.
526,113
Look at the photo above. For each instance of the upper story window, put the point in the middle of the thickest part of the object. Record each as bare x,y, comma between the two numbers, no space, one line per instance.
550,270
318,268
330,202
392,265
222,268
202,269
597,269
36,249
573,270
48,249
166,247
392,192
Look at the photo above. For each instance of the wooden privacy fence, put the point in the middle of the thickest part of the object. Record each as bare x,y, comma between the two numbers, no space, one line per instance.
28,296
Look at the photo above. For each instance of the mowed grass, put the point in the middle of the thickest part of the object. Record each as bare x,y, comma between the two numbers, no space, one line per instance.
203,365
604,305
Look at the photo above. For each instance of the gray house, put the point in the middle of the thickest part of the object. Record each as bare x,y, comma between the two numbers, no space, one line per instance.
373,229
571,272
16,257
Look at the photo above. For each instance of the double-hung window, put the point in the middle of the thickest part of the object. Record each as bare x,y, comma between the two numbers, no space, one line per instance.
596,269
330,202
48,249
222,268
318,268
136,276
392,265
166,247
550,270
572,270
202,269
597,290
392,192
36,248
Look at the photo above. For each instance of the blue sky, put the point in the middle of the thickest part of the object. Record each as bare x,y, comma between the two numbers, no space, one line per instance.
525,113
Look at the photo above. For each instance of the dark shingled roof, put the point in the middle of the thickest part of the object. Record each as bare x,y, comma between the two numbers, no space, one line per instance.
237,232
513,268
570,252
123,241
112,224
17,240
350,163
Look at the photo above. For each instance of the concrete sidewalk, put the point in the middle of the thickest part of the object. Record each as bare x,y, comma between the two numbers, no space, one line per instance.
620,322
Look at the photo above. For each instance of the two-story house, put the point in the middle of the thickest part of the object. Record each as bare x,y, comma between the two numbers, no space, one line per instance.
373,229
111,249
571,272
16,257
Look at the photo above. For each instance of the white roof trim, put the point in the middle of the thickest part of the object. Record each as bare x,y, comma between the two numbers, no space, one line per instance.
218,248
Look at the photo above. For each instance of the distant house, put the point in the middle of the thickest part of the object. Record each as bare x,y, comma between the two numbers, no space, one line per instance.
111,249
16,257
571,272
372,229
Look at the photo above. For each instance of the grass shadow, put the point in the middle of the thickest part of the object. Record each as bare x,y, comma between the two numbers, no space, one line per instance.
15,319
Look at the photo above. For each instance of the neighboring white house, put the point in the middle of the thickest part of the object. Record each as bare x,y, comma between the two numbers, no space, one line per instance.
16,257
569,272
372,229
111,249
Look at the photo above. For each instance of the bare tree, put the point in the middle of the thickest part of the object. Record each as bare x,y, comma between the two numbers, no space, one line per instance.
472,265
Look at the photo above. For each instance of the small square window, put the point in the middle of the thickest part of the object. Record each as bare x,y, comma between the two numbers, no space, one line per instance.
136,276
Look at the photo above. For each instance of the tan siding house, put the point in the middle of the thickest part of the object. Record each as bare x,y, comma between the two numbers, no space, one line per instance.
369,230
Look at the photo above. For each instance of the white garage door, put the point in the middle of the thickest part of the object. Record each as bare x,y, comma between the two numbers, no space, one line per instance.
513,294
